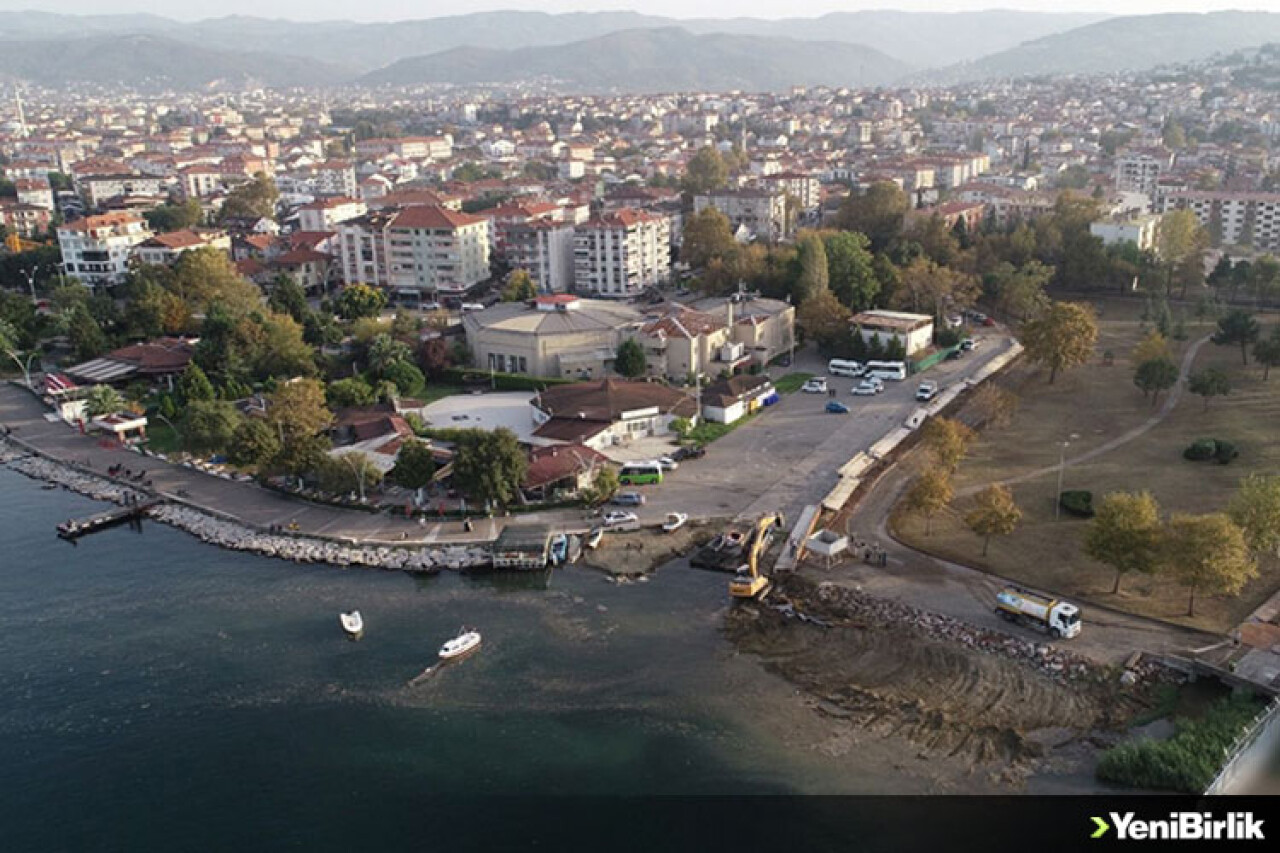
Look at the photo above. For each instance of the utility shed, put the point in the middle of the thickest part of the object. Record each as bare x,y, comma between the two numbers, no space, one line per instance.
522,546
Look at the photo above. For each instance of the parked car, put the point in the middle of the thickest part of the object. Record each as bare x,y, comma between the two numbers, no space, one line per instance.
968,344
816,385
618,517
868,387
628,499
431,306
987,321
955,321
926,390
835,407
689,451
668,463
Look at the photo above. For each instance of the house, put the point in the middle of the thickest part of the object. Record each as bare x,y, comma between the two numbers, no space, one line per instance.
609,412
164,249
561,468
160,360
914,330
727,400
377,431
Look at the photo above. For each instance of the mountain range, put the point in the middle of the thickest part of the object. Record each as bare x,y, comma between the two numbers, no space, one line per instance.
612,50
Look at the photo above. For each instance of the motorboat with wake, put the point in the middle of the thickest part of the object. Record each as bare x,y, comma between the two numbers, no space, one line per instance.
466,641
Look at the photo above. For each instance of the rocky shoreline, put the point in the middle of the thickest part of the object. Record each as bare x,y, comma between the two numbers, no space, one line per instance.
237,536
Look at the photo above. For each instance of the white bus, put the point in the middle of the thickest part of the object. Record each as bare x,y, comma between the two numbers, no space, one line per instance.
841,367
887,369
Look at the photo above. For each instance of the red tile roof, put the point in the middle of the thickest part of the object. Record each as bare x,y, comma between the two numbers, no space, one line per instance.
427,216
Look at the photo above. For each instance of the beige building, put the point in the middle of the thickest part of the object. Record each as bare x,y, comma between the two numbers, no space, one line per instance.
437,250
762,212
620,254
1139,230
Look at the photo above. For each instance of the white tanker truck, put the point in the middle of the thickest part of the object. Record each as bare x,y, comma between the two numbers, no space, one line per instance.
1058,619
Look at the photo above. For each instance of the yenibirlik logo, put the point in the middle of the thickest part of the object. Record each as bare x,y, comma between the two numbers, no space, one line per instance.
1181,826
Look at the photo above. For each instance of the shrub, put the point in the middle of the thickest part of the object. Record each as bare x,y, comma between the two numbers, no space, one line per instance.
1225,452
1078,502
501,381
1200,450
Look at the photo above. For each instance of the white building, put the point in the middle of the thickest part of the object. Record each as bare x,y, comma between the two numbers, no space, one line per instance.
437,250
762,212
164,249
362,249
97,189
1139,171
325,213
544,249
1140,230
1233,219
622,253
96,249
336,178
914,330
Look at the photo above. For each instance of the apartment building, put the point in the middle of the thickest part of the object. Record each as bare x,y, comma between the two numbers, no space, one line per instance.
164,249
622,253
805,188
98,189
1140,171
1139,230
544,249
96,249
336,178
325,213
762,212
437,250
1233,218
362,249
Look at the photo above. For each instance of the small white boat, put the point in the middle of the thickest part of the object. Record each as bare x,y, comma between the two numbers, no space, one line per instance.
594,537
352,623
675,520
460,645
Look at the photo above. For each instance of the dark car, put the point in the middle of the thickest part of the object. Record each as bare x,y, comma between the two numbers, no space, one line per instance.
689,451
955,354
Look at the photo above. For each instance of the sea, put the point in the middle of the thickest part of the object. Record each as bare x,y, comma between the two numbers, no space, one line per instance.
160,694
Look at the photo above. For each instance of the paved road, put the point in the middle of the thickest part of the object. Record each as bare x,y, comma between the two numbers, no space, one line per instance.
787,457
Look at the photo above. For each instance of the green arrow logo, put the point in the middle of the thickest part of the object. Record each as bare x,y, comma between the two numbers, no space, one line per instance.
1102,828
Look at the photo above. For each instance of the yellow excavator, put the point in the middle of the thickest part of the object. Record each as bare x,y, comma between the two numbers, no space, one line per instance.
748,582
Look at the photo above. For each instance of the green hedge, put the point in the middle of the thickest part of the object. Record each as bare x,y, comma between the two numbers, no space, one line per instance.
1186,762
1077,502
1203,449
501,381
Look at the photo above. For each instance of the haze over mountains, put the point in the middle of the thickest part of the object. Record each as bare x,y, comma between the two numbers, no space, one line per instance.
625,51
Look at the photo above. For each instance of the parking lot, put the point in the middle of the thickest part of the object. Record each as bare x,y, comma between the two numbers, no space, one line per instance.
787,456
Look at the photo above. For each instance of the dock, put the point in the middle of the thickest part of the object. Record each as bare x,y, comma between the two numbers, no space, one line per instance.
74,528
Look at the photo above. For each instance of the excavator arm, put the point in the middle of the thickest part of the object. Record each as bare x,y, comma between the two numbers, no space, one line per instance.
749,582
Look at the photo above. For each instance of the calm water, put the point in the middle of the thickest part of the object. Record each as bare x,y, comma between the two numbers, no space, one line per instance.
160,694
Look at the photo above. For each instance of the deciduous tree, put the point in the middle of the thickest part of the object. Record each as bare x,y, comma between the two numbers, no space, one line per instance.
360,300
1256,509
1125,534
415,466
490,466
208,426
629,360
253,444
1207,383
1267,352
1153,346
947,440
1207,553
1237,327
706,171
520,287
707,236
850,269
1061,337
929,494
824,319
994,514
253,199
878,213
1154,376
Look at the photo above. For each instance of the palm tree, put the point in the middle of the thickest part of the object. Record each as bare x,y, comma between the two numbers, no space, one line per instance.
102,400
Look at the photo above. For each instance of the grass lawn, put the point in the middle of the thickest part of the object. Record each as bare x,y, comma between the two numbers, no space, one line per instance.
1088,406
436,391
161,438
791,382
707,431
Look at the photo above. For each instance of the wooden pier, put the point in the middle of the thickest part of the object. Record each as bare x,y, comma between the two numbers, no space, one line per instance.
74,528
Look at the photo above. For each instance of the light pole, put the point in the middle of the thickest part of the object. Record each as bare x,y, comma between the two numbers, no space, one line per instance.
31,280
1062,465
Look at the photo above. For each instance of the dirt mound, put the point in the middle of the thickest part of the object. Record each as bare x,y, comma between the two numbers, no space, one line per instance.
894,677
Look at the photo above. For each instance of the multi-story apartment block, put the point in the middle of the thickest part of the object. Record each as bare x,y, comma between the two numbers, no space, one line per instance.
544,249
1139,171
1233,219
28,221
362,249
35,191
336,178
622,253
325,213
409,147
1139,230
98,189
763,212
805,188
437,250
96,249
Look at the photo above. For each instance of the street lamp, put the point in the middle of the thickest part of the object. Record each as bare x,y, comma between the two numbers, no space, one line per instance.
31,280
1062,464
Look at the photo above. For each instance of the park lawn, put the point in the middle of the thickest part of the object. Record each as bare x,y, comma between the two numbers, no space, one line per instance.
1103,403
791,382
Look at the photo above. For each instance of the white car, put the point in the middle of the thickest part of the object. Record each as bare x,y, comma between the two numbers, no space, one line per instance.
817,385
667,463
927,390
617,517
869,387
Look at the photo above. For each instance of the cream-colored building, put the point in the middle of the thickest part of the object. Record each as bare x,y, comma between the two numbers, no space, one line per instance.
763,212
914,330
622,253
437,250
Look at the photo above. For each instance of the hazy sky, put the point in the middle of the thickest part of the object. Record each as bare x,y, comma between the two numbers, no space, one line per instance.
371,10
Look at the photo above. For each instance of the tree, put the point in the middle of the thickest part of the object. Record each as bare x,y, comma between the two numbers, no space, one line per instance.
947,440
928,288
1019,292
994,514
1207,553
288,297
706,171
1125,534
209,426
174,217
1256,509
930,492
9,345
404,376
603,486
995,405
1237,327
1181,248
851,269
1154,376
707,236
1061,337
349,392
253,199
347,472
520,288
360,300
1209,382
1150,348
629,361
253,444
296,410
415,466
102,400
823,319
812,263
490,466
282,351
878,213
1267,352
385,351
194,385
205,276
85,334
